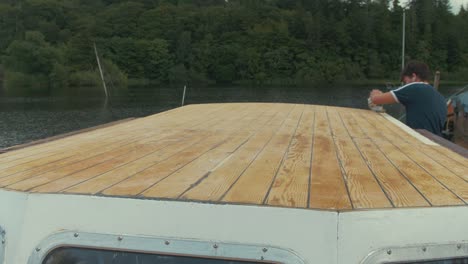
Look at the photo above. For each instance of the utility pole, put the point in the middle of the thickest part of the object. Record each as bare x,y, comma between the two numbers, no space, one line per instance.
403,41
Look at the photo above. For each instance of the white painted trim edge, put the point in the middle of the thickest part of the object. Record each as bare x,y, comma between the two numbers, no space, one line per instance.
410,131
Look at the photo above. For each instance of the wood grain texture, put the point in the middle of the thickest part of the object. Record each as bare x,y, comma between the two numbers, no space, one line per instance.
149,176
435,193
364,190
287,155
327,188
399,190
291,185
255,182
219,180
450,180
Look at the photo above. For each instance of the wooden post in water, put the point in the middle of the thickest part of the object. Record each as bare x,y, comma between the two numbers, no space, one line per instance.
437,80
183,95
100,70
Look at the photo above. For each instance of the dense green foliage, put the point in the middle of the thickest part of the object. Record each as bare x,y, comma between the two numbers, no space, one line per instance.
47,45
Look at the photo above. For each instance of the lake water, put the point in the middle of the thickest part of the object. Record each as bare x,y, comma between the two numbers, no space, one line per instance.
26,119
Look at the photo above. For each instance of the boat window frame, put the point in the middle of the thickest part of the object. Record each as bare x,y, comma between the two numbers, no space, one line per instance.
2,244
164,246
414,253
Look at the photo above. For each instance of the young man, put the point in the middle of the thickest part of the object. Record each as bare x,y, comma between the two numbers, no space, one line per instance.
425,107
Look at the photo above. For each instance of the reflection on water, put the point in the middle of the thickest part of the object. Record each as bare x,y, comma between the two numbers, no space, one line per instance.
26,119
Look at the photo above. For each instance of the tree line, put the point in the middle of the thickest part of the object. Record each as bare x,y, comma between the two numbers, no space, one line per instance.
46,46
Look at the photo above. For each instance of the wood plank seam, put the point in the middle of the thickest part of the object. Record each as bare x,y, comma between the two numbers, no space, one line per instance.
26,175
393,128
101,174
140,194
428,172
167,158
105,132
255,158
261,129
399,170
424,148
262,171
199,180
282,159
310,162
343,173
168,141
399,194
196,123
137,139
418,165
362,157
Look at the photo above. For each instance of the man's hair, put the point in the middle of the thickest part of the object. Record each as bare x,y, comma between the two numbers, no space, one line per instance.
419,68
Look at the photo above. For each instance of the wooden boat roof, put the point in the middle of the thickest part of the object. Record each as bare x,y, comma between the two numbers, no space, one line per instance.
269,154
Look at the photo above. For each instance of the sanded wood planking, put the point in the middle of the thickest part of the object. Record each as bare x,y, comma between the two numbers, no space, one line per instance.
96,135
91,155
450,164
434,152
180,181
75,162
327,186
113,159
400,191
146,178
254,184
454,183
83,141
177,160
336,125
218,182
94,181
291,185
170,156
364,189
141,182
70,141
453,155
88,156
351,125
435,193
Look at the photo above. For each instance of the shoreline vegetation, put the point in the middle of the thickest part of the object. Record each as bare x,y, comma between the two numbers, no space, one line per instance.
46,46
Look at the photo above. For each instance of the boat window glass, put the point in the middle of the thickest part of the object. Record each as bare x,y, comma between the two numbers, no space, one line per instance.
73,255
445,261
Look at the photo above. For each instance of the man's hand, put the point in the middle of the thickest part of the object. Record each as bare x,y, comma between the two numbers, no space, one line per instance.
374,93
378,97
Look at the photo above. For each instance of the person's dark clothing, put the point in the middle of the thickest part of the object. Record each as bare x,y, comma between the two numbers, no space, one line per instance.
425,107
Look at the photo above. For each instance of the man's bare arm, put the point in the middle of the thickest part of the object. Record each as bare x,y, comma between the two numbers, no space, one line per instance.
380,98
